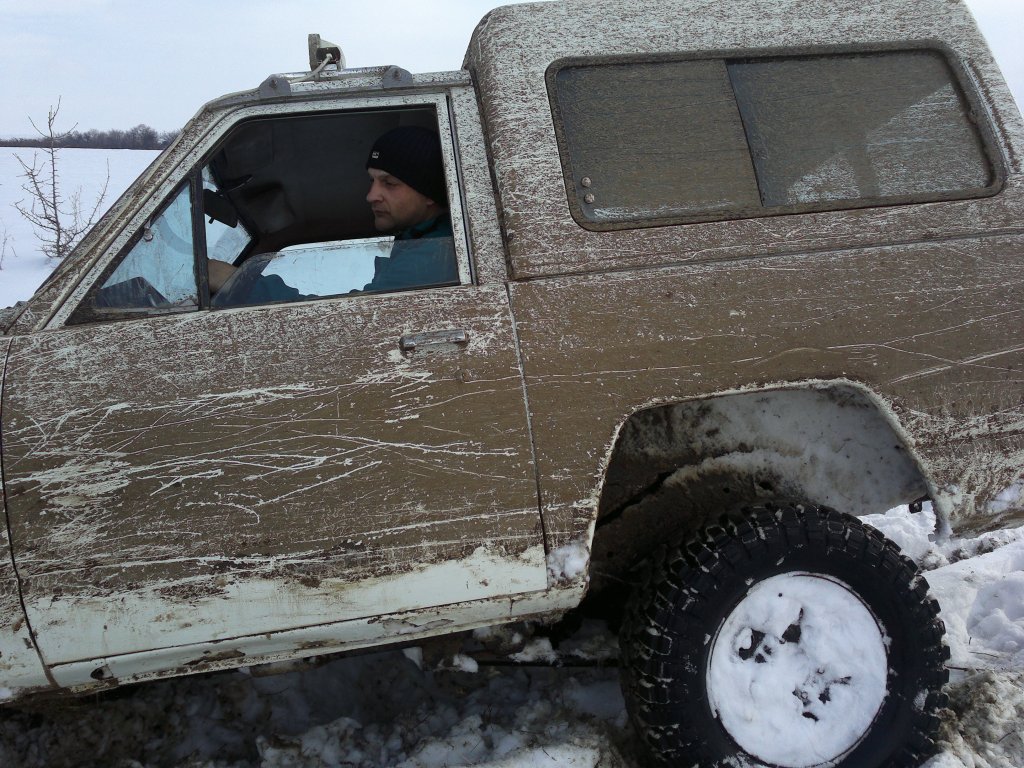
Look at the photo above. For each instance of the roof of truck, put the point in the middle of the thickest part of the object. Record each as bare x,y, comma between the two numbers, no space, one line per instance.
516,49
537,33
513,46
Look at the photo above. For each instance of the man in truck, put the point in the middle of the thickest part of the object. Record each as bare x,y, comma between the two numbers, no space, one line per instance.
408,199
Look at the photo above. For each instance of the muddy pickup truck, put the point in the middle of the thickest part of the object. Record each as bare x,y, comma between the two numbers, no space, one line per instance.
729,276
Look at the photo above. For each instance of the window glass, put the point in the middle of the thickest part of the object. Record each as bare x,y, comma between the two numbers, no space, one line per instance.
654,140
650,143
304,272
370,265
158,272
868,126
339,266
226,236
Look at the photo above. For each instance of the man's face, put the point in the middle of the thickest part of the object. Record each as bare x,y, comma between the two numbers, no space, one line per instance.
396,205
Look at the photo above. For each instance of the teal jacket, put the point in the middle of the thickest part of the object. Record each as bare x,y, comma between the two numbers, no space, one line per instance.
421,256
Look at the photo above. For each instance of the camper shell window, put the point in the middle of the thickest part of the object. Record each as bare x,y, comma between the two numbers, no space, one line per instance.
669,141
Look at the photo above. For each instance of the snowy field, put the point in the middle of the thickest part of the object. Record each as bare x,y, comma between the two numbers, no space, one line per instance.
23,267
436,706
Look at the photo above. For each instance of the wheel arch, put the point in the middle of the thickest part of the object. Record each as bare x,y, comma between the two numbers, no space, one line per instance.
674,466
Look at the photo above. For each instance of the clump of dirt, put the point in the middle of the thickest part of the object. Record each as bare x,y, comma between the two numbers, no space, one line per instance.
981,726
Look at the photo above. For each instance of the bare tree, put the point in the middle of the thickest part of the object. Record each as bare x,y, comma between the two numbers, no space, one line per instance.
59,221
5,240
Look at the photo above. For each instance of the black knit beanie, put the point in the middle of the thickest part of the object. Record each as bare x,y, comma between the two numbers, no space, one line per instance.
413,155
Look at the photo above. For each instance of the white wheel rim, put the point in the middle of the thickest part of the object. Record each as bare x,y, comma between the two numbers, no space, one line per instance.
797,671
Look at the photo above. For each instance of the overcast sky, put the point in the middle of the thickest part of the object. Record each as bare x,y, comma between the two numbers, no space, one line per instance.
118,63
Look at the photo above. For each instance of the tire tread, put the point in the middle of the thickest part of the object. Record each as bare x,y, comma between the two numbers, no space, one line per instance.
673,600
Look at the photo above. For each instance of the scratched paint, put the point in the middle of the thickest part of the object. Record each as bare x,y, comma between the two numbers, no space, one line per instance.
265,482
935,331
542,237
408,626
248,598
896,320
20,666
293,443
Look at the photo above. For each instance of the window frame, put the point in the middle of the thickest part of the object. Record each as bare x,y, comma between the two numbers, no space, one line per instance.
84,312
977,115
76,311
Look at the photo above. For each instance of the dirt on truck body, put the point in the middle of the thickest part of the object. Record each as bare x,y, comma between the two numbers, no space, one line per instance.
721,282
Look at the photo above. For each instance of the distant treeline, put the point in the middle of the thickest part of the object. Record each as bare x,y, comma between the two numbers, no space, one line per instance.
139,137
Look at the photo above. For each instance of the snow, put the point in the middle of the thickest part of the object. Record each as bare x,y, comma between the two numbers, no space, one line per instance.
985,598
1008,498
23,267
978,582
425,707
838,667
568,561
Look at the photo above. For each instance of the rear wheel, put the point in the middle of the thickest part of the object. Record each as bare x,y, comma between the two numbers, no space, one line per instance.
793,637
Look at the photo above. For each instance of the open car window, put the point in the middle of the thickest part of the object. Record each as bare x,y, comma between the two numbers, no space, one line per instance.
278,209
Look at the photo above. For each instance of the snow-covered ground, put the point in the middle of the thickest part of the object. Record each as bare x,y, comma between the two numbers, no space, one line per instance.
437,706
22,265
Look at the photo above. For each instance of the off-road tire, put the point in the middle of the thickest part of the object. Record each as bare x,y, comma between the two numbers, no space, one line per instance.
690,590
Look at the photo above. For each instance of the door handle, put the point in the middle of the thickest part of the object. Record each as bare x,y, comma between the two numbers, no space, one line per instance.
410,342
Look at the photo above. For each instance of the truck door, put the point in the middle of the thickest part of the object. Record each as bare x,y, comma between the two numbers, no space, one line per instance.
182,473
20,666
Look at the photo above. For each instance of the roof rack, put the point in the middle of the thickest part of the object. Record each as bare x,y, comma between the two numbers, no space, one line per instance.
327,62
